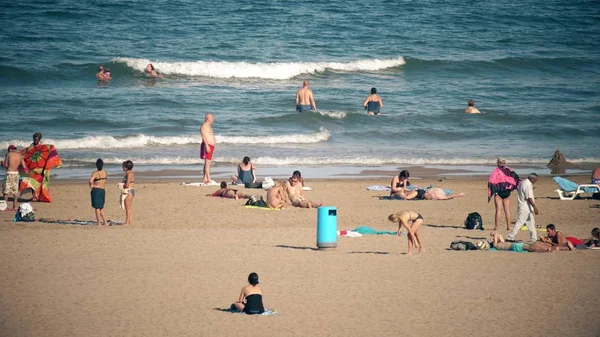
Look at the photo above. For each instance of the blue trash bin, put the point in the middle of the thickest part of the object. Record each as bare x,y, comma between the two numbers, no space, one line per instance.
326,227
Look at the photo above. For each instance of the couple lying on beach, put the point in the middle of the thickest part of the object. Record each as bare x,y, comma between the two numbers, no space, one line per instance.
401,190
283,194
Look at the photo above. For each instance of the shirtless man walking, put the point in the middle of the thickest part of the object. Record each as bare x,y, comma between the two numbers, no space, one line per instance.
207,148
11,163
304,99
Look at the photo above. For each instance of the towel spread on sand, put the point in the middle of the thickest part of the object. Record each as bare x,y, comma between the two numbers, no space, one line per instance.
378,188
265,208
268,312
502,179
76,221
364,230
387,197
211,183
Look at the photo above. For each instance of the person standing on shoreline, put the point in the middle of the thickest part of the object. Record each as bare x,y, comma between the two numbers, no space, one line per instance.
207,148
526,208
305,100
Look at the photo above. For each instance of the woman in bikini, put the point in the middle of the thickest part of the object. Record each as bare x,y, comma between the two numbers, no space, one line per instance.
277,197
399,187
412,221
97,183
128,181
228,193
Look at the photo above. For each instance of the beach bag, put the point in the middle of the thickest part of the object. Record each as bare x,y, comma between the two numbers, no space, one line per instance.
268,183
462,245
474,221
25,213
3,205
257,201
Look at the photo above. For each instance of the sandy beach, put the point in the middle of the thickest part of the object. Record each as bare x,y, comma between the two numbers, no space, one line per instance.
187,255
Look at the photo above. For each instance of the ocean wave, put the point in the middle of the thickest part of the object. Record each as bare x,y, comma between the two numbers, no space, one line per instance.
139,141
265,70
320,161
332,114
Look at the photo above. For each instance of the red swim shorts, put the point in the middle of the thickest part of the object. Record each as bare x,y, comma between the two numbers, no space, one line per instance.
203,154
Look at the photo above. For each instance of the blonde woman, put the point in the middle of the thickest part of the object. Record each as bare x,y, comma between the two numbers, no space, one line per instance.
277,196
412,221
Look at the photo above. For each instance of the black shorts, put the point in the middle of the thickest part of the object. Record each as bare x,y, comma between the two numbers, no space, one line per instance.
504,194
420,194
419,217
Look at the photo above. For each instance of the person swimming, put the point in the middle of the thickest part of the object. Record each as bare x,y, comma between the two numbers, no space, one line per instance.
373,103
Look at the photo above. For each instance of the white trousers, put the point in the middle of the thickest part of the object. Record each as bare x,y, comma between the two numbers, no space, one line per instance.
524,216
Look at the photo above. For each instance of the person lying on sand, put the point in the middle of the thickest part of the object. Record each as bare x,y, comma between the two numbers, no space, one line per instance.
556,238
595,240
277,196
412,221
296,194
436,193
535,247
229,193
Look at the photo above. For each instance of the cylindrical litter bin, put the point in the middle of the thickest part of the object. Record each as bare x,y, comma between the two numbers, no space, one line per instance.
326,227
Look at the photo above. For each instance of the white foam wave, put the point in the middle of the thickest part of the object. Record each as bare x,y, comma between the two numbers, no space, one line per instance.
139,141
269,70
317,161
332,114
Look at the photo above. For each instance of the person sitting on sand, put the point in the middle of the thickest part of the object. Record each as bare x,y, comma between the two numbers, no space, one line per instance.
556,238
436,193
399,186
229,193
250,301
595,240
246,172
471,109
412,221
299,175
296,194
499,243
277,196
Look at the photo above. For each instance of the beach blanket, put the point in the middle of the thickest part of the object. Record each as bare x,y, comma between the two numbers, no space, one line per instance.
264,208
502,179
364,230
233,310
76,221
569,186
211,183
378,188
387,197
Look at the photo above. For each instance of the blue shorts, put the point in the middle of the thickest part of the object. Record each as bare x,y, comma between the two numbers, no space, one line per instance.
302,108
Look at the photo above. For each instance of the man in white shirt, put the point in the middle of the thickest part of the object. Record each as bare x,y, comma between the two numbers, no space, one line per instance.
526,208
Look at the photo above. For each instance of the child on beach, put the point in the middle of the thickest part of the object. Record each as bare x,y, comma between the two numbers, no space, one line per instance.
412,221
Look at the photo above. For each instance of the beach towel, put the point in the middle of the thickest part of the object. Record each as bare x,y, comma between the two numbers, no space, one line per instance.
233,310
569,186
387,197
76,221
378,188
211,183
349,233
368,230
260,207
502,179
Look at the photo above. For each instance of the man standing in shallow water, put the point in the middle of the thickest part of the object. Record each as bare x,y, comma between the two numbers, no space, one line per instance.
304,99
207,148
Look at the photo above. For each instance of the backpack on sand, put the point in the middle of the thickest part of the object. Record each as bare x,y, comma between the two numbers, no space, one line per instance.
462,245
474,221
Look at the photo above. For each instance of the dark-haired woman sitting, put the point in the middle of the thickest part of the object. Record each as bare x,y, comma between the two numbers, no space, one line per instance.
250,301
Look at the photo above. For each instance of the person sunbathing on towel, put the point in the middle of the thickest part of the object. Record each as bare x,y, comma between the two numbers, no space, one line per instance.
277,196
436,193
595,240
228,193
296,194
535,247
556,239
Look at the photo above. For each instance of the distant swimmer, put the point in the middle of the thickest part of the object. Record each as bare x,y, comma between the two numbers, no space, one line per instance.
373,103
150,71
102,75
471,109
304,99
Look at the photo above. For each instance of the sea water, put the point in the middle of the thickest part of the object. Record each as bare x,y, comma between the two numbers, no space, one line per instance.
532,67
